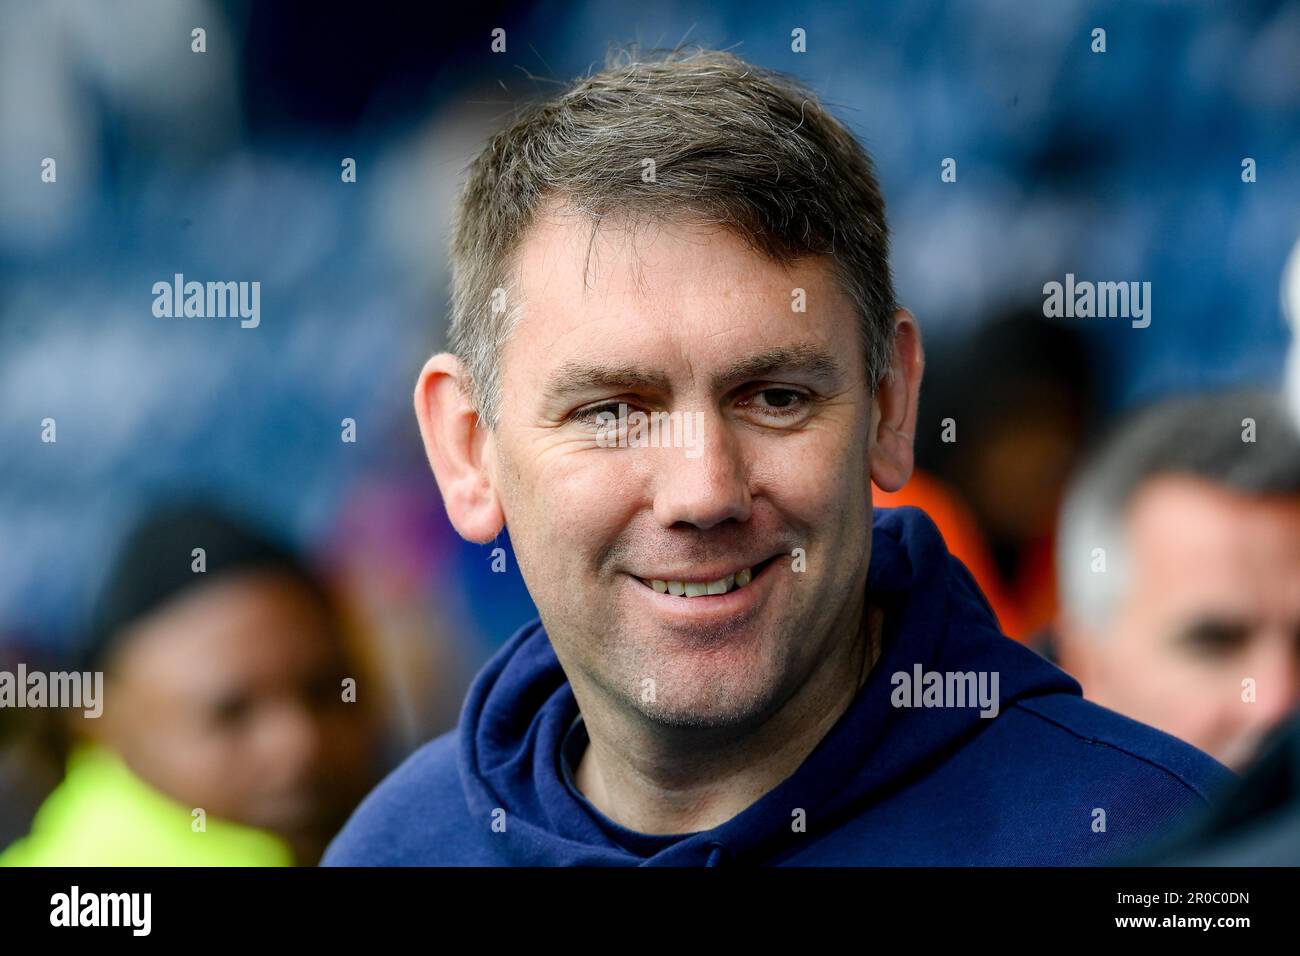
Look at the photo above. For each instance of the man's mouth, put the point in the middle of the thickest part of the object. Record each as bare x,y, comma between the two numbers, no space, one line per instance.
697,588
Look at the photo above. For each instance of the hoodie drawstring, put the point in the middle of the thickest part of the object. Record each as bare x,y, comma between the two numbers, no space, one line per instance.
715,854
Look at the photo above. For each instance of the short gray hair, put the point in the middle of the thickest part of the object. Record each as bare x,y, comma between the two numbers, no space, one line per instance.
1199,437
733,144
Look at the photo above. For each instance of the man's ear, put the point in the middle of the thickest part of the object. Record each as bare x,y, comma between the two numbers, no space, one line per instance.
458,445
894,409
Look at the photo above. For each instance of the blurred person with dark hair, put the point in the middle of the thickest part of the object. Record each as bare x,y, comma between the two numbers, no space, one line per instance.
737,661
227,735
1004,414
1180,570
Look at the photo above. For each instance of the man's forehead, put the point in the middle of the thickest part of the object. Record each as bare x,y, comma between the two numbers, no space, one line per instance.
1185,508
594,308
1199,544
570,256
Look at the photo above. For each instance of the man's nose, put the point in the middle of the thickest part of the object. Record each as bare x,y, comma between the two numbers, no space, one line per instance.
706,484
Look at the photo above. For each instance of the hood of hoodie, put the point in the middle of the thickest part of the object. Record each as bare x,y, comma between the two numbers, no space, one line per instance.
519,713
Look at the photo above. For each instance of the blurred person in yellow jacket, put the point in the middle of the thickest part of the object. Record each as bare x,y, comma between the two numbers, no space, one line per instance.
232,731
102,814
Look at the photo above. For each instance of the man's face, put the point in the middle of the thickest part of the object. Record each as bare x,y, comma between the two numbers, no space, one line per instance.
229,698
686,320
1214,601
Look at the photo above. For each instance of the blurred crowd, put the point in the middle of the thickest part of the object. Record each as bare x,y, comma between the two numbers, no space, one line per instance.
1128,498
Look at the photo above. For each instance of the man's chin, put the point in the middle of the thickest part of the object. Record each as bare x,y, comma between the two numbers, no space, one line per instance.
700,718
1239,754
705,701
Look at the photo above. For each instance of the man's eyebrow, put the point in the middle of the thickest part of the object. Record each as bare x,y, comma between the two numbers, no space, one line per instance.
810,359
577,377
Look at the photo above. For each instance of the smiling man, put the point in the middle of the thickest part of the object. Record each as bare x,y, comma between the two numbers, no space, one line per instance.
737,661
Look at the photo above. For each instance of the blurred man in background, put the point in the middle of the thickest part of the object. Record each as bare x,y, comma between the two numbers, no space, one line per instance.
228,733
1180,571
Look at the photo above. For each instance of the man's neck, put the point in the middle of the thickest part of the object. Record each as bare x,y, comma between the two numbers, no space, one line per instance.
652,789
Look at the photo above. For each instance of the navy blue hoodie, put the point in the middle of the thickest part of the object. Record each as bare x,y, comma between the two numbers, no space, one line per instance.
1051,779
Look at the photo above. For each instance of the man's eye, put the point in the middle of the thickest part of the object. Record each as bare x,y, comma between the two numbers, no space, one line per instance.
778,402
592,415
1214,639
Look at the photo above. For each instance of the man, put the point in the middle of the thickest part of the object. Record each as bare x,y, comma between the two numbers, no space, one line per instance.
1180,571
227,735
736,660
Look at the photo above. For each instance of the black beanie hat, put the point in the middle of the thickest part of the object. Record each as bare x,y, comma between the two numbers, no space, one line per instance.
154,565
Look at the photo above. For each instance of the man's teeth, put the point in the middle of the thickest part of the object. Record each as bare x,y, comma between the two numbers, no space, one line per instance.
699,589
